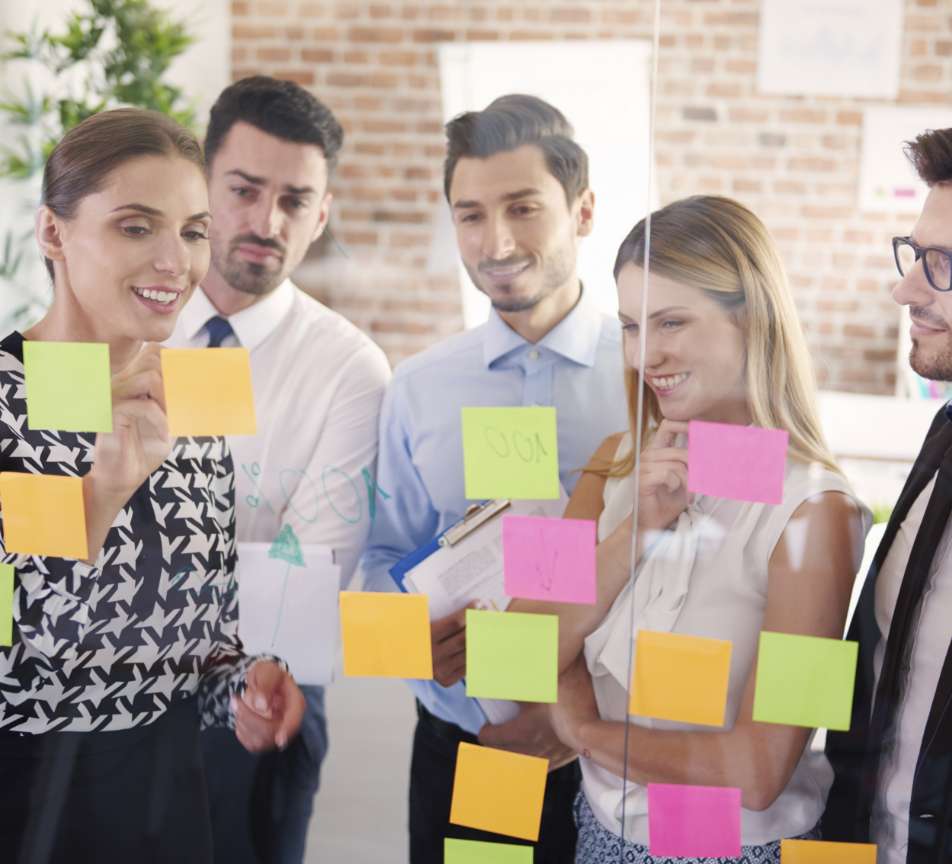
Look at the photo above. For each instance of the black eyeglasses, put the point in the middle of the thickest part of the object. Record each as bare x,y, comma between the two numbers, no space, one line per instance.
936,262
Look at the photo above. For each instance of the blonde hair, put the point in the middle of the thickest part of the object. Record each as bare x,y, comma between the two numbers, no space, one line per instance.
720,247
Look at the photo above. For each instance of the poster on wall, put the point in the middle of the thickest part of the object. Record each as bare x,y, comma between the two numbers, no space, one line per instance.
888,183
830,47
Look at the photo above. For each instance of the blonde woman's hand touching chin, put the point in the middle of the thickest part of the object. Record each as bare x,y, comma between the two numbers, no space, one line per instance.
663,479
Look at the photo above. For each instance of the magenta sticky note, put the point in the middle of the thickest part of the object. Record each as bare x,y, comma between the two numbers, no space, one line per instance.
744,463
549,559
693,821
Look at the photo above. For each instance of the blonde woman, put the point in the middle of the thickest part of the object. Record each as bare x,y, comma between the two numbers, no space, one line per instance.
723,344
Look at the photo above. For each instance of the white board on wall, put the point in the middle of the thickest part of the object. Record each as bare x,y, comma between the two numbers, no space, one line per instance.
602,87
830,47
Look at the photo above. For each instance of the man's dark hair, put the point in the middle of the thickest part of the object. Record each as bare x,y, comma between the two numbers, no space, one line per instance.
931,155
514,121
280,108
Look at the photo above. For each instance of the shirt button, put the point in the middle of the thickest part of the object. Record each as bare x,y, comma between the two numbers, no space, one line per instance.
534,354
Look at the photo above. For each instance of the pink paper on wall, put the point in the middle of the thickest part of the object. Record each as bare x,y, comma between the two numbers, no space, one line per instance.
693,821
549,559
744,463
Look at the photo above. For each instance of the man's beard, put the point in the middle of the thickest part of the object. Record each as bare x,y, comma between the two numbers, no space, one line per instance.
246,276
556,270
934,368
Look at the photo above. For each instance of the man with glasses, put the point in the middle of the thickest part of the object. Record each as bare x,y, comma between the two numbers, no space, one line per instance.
893,767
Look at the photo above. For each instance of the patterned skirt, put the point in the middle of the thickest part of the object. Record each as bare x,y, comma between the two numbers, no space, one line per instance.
598,845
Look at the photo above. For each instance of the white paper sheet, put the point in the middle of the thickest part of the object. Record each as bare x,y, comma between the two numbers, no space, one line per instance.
290,610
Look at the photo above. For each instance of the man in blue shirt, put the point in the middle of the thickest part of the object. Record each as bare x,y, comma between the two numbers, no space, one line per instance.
517,184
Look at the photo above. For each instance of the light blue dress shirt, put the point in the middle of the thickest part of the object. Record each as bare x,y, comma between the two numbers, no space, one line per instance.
577,367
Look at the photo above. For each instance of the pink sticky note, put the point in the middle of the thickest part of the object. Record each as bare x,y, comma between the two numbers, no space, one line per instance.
745,463
693,821
549,559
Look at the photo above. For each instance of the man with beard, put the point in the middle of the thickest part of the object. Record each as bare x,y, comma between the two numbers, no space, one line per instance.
517,185
318,384
893,767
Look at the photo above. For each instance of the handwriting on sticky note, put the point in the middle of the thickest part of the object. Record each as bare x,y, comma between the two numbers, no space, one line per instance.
510,453
825,852
743,463
549,559
693,821
805,681
385,635
681,678
43,514
208,391
499,791
6,604
68,386
512,655
478,852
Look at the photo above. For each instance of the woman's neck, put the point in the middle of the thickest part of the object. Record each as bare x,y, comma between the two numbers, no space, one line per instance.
59,325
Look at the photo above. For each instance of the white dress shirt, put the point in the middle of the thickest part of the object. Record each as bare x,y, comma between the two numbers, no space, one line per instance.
930,644
318,384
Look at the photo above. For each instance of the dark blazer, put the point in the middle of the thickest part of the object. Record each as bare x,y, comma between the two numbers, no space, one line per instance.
847,814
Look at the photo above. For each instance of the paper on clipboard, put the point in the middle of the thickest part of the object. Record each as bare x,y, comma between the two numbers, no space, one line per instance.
472,570
289,608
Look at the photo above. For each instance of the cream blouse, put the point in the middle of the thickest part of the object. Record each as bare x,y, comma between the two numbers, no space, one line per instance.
708,578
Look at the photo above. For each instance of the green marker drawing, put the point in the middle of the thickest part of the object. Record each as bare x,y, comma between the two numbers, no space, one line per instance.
286,547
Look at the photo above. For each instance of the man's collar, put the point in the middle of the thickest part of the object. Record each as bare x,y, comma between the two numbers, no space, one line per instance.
251,325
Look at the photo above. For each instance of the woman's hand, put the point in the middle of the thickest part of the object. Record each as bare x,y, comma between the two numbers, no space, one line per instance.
576,705
663,479
270,711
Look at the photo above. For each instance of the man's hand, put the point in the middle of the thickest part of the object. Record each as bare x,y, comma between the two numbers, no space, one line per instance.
270,711
576,705
449,647
529,732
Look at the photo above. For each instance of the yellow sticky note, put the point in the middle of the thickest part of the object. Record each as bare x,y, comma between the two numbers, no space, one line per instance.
43,514
495,790
386,635
510,453
680,678
6,604
208,391
823,852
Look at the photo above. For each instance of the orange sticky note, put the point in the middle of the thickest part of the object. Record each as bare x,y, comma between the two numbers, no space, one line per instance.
43,514
208,391
386,635
495,790
824,852
680,678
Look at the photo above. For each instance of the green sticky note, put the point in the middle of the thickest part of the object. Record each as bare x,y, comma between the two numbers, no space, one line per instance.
512,655
805,681
68,386
510,453
6,604
477,852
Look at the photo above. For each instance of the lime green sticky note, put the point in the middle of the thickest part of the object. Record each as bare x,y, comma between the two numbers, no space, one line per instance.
510,453
512,655
478,852
6,604
68,386
805,681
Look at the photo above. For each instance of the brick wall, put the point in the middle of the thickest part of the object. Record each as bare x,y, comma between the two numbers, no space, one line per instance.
793,160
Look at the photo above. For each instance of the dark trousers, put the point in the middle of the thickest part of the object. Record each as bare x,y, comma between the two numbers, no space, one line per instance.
432,768
261,804
132,796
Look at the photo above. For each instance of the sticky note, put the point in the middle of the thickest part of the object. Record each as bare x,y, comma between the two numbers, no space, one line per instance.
68,386
477,852
385,635
495,790
805,681
549,559
208,391
43,514
510,453
693,821
6,604
681,678
512,655
825,852
744,463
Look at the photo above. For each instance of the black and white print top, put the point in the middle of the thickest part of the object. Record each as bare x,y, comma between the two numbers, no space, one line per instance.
110,646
